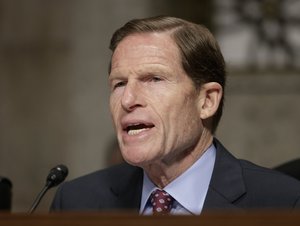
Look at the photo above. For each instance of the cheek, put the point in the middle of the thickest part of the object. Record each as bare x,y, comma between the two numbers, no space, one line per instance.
186,117
176,120
114,109
189,126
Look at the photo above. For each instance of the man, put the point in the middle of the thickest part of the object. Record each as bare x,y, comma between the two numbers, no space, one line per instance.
167,79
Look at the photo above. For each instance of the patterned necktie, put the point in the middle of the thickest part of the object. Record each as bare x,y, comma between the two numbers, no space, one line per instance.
161,202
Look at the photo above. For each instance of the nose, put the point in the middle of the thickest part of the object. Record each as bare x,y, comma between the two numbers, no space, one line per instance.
132,97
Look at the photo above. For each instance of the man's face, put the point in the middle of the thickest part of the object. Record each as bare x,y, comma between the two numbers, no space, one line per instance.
154,104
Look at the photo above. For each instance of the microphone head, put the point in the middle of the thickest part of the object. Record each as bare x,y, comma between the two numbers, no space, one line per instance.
57,175
5,194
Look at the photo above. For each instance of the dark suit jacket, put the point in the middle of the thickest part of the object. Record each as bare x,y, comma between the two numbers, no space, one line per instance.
235,184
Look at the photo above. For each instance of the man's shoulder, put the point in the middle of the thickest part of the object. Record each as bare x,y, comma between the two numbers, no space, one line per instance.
251,186
265,177
270,188
251,171
104,177
99,190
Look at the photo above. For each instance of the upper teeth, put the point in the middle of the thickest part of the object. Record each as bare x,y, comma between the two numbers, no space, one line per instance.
135,131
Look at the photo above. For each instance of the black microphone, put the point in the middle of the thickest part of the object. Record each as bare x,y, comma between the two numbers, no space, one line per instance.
5,194
54,178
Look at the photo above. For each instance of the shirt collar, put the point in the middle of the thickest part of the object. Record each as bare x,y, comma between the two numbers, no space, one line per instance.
190,188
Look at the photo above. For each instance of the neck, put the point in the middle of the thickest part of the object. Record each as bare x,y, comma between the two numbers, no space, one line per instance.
164,172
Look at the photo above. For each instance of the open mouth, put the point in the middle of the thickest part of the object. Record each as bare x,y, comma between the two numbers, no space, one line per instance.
137,128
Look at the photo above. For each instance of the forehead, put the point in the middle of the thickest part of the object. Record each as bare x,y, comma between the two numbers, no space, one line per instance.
145,48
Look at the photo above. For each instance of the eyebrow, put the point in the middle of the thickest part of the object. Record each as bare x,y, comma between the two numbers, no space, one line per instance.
156,68
115,77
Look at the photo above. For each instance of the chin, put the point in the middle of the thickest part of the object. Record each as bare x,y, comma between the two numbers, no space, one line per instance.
139,155
134,162
133,158
137,160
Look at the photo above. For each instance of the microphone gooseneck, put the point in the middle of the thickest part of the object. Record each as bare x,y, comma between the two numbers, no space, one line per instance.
54,178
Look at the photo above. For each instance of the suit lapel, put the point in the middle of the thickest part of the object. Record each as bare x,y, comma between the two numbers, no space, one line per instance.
127,189
227,184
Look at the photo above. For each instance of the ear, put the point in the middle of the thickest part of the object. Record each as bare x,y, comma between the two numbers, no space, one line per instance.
209,99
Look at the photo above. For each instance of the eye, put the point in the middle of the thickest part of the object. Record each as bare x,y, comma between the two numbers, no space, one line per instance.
119,84
156,79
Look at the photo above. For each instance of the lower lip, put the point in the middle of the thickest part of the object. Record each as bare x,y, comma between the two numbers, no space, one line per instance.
137,137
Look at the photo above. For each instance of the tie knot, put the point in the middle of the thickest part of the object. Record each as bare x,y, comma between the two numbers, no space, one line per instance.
161,202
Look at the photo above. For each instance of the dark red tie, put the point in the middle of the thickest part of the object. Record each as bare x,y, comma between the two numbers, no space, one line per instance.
161,202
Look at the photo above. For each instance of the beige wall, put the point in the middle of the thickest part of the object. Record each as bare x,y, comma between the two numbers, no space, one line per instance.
261,119
54,95
53,84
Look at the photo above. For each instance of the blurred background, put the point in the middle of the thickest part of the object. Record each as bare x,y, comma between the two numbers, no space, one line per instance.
54,91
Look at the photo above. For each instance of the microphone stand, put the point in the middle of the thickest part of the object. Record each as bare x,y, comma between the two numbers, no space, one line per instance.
54,178
39,197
